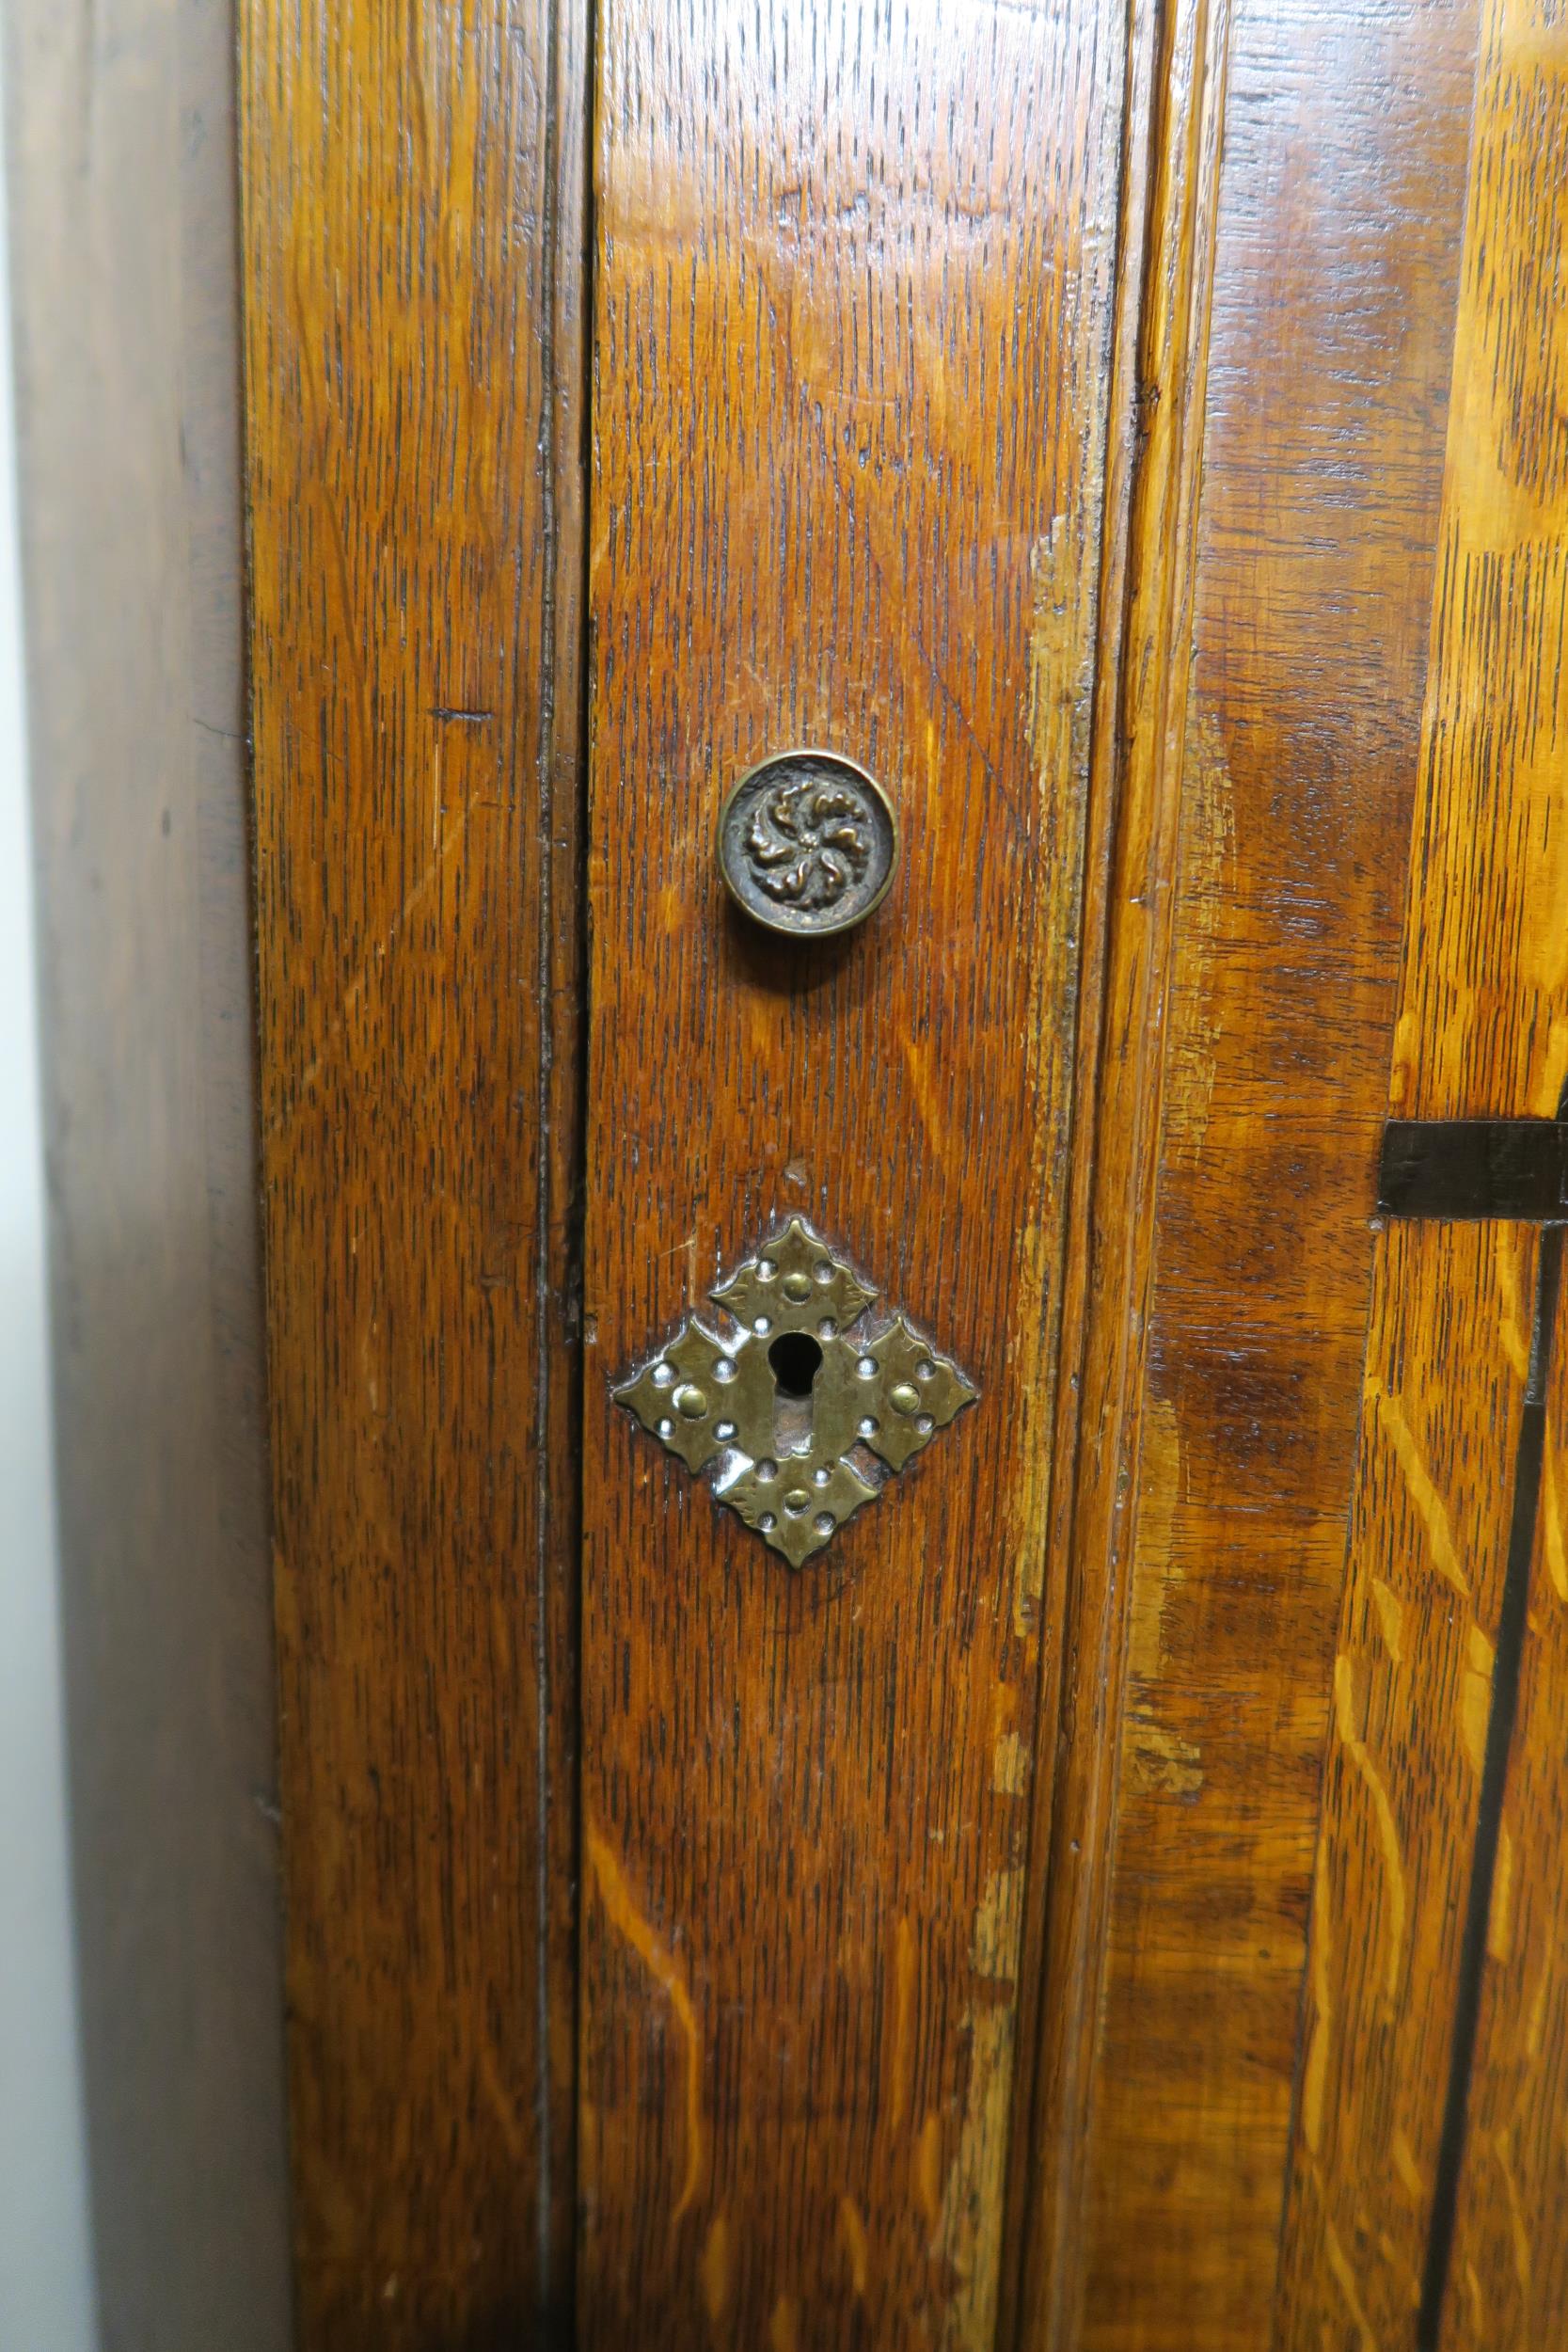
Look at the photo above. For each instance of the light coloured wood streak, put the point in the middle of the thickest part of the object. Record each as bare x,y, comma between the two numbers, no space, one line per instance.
1508,2275
1337,258
853,339
413,254
1446,1362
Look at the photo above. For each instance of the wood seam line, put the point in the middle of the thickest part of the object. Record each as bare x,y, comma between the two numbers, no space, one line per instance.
575,1207
1120,462
1163,337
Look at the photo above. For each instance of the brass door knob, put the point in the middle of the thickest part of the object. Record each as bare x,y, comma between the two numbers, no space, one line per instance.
807,843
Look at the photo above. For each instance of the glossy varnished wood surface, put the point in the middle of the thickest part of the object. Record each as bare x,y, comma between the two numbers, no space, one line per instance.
1446,1362
851,353
1335,274
1508,2273
1484,1008
1483,1028
121,176
945,1975
1169,191
414,240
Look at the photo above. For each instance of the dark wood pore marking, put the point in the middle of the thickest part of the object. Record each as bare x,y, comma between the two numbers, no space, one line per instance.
414,255
853,326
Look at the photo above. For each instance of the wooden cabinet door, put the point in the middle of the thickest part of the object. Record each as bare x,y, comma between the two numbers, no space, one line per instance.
919,1573
1102,1896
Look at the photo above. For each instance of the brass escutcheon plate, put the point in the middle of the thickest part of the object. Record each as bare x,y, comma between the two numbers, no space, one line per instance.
807,843
805,1413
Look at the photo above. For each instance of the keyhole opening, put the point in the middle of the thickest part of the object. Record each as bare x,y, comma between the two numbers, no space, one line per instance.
796,1359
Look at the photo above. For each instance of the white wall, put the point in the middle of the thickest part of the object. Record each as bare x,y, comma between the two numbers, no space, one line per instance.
45,2289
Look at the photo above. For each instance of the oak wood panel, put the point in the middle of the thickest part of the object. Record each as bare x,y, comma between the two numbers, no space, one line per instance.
853,326
1483,1026
1484,1010
1335,265
414,202
1447,1363
1170,181
120,169
1508,2274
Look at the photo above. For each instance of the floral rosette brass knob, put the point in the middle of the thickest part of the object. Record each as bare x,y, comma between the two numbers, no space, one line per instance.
807,844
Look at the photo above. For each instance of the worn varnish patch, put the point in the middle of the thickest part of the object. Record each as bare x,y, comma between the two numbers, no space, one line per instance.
851,348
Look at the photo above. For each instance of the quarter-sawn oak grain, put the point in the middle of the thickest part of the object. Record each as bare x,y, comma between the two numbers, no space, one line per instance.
1159,368
944,1971
852,321
1508,2275
1482,1029
414,279
1336,256
1447,1361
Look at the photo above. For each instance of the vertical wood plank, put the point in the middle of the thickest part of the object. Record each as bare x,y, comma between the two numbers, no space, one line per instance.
853,301
1337,258
1483,1013
1169,205
121,199
1482,1028
413,184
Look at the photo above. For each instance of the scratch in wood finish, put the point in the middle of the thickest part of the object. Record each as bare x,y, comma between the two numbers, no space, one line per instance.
662,1965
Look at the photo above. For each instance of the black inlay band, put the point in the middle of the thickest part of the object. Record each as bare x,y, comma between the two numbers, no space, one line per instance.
1515,1169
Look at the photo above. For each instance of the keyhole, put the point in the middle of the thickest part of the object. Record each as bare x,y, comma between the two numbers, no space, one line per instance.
794,1359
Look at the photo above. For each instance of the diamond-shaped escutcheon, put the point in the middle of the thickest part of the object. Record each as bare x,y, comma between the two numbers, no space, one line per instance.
807,1409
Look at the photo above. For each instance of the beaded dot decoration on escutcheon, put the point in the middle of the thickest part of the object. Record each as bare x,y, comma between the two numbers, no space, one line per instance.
805,1411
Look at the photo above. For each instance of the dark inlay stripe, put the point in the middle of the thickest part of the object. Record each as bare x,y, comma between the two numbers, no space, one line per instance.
1514,1169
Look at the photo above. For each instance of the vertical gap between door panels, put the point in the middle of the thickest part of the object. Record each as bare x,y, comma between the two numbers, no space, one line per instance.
568,246
577,1210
